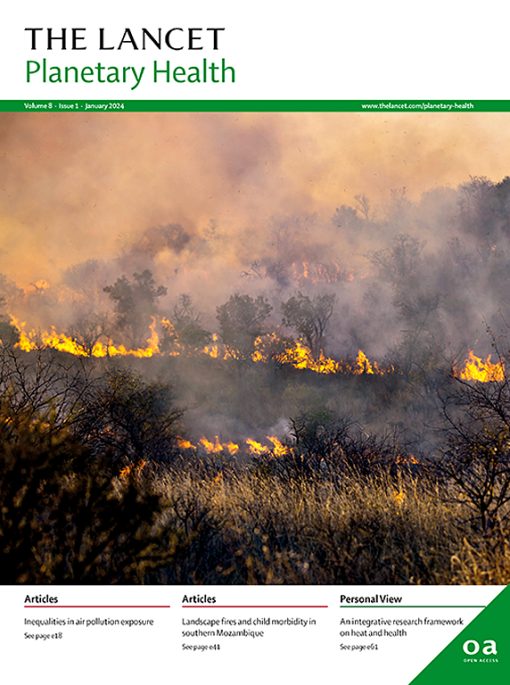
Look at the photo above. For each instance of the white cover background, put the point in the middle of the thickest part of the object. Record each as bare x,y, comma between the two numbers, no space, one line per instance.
282,49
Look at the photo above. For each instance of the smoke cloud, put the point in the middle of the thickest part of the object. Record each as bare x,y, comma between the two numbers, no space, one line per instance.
263,204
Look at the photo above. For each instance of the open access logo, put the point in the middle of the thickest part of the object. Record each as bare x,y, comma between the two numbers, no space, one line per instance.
485,652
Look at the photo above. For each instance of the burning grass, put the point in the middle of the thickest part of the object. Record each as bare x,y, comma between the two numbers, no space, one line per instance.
296,354
265,348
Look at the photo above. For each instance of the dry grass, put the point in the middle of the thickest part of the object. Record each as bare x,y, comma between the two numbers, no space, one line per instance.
250,527
69,515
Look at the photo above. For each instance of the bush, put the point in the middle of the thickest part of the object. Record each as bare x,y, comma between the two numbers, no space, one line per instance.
129,418
67,516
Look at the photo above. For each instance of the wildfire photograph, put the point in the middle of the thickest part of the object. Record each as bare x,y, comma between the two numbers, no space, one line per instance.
254,348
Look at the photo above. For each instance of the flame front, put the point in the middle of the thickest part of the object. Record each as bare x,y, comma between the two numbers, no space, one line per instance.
364,365
264,349
215,446
477,369
212,350
185,444
30,341
279,449
256,448
210,446
300,357
276,448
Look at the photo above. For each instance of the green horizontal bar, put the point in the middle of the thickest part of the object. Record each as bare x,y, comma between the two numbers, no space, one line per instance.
374,106
412,606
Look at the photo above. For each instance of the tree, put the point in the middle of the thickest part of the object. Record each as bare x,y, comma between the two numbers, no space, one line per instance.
346,217
9,292
89,329
135,301
9,335
325,444
158,238
186,328
416,298
44,382
129,418
399,264
241,320
476,460
309,317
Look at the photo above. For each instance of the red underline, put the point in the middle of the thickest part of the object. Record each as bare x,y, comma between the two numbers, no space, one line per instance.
254,606
97,606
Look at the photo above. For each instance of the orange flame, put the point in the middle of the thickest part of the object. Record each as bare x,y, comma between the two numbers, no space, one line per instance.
483,371
213,349
265,348
278,449
132,468
232,447
300,357
256,448
28,341
363,365
211,447
185,444
406,459
215,446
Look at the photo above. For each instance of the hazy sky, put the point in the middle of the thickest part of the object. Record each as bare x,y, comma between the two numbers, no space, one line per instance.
78,186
